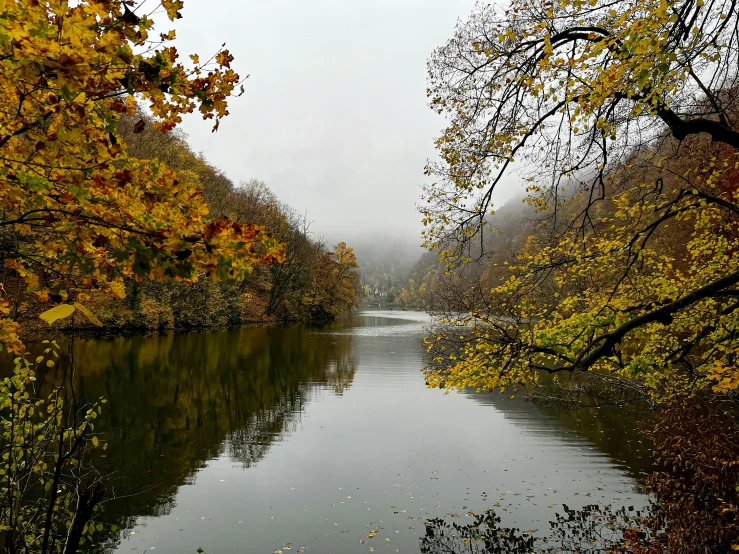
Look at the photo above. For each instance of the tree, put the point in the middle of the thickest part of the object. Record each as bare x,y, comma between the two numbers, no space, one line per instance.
49,493
78,211
336,286
291,280
628,111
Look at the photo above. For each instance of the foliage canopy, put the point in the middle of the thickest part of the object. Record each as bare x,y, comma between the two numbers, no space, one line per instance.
78,212
626,111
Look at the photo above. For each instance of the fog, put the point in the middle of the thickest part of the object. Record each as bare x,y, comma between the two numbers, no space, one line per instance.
335,117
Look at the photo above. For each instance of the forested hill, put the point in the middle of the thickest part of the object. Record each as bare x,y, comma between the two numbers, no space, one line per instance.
397,274
427,287
314,283
384,265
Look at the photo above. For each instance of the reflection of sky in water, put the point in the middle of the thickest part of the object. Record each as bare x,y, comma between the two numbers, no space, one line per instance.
385,454
383,323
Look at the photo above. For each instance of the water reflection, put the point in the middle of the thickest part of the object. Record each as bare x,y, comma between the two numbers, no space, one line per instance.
593,530
327,439
483,535
177,401
610,430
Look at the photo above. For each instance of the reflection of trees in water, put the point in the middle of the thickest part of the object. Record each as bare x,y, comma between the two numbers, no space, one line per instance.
250,443
252,438
484,534
590,530
176,401
607,412
614,431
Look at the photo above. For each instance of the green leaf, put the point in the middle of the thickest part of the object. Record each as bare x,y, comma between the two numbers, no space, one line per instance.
57,312
67,94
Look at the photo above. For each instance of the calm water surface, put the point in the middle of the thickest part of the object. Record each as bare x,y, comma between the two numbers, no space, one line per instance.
299,439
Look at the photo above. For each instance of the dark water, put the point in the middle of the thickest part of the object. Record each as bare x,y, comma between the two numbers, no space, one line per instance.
261,440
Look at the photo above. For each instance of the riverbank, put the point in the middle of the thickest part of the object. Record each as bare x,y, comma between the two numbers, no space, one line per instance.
176,306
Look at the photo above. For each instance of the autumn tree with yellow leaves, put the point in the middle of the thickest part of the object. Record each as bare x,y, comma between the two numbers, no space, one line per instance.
622,118
336,285
78,212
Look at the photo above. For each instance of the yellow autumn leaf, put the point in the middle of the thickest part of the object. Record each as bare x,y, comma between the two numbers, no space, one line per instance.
118,288
172,7
32,281
88,314
78,29
57,312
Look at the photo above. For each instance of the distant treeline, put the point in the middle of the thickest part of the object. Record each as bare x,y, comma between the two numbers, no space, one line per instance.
430,286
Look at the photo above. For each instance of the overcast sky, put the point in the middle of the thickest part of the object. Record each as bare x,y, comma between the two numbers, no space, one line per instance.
335,117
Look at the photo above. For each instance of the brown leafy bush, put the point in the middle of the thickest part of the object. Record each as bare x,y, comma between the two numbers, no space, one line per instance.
697,480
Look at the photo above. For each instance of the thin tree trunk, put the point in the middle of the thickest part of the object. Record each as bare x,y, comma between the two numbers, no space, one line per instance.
88,499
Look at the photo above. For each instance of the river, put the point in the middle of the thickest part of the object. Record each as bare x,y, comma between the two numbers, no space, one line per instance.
327,440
